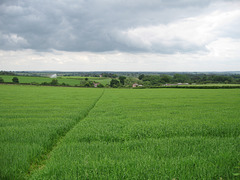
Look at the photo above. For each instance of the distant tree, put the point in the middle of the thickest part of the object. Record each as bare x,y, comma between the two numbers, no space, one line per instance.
15,80
54,82
121,79
141,77
109,75
180,78
100,85
165,79
153,79
44,83
7,73
1,80
114,83
88,84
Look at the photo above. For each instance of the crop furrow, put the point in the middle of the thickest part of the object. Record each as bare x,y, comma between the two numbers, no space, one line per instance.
40,161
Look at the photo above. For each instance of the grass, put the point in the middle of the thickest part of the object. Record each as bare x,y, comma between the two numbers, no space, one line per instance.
32,119
121,134
152,134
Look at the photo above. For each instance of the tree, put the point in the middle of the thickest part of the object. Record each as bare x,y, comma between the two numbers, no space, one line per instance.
1,80
100,85
122,78
86,79
54,82
15,80
165,79
141,77
180,78
114,83
88,84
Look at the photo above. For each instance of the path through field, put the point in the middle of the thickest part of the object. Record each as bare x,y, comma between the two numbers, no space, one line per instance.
40,164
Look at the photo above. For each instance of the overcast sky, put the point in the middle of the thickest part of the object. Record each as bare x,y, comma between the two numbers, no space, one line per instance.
120,35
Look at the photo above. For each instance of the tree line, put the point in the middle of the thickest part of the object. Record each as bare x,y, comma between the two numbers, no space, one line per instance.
158,80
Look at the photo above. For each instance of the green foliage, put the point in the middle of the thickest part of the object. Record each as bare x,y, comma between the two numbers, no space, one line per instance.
157,80
88,84
152,79
165,79
237,174
1,80
122,79
110,75
7,73
129,81
140,77
15,80
114,83
54,82
180,78
100,85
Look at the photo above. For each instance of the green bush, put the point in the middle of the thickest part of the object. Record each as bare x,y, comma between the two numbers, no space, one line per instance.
15,80
1,80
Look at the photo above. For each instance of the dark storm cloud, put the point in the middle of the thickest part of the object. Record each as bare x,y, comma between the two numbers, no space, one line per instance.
91,25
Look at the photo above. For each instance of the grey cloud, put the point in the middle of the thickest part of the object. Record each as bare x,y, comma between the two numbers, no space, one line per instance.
88,25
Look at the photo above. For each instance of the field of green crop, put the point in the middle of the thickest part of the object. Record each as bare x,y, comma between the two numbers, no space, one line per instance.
32,119
71,80
119,133
102,80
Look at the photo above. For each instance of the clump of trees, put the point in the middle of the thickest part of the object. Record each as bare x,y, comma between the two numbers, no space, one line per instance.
54,82
110,75
86,83
15,80
122,79
114,83
120,82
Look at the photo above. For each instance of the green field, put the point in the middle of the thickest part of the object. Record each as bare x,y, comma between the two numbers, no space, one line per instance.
102,80
216,85
77,133
71,80
32,121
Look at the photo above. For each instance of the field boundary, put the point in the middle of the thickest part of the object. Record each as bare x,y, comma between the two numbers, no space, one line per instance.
40,162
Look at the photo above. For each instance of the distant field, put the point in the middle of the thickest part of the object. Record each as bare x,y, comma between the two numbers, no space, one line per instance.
71,80
102,80
126,134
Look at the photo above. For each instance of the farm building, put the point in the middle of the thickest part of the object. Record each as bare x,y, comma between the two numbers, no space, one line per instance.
136,85
53,76
95,84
